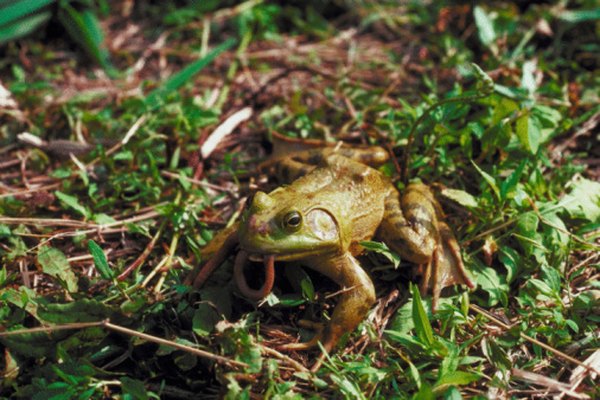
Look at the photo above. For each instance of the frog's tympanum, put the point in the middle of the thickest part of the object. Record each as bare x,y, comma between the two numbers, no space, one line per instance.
333,203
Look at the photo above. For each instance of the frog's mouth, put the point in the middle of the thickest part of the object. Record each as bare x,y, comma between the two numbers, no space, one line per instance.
238,274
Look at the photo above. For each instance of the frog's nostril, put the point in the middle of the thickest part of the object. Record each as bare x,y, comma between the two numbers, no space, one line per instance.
262,229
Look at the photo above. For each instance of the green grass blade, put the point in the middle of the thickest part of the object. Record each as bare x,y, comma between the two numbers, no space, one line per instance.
422,324
155,97
23,26
84,28
100,261
20,9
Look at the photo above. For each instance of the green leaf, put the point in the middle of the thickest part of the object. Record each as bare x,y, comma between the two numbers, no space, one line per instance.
528,131
19,9
577,16
583,202
100,261
495,354
422,324
495,285
55,263
308,290
23,27
509,184
204,320
485,26
456,378
134,388
461,197
452,394
84,28
155,98
528,236
488,178
381,248
83,310
72,202
347,387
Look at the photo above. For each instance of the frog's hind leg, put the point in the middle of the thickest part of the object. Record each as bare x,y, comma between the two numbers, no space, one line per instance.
412,226
290,169
356,298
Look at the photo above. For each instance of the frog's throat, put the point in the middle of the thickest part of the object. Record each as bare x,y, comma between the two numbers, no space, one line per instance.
238,274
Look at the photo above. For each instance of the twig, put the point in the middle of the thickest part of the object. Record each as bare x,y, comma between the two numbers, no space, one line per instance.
297,366
533,340
140,260
117,328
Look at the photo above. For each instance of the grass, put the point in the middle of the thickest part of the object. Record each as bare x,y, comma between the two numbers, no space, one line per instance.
496,106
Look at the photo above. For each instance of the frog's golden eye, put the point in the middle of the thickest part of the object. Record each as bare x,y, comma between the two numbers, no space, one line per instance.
292,220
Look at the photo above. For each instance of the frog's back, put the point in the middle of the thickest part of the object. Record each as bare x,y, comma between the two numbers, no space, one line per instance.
353,192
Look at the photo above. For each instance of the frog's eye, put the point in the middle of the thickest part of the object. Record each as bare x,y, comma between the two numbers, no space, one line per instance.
292,220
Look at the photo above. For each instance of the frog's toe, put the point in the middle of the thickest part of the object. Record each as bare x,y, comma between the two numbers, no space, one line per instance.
317,326
446,267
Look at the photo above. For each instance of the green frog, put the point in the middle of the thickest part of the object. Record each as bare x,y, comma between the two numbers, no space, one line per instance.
336,201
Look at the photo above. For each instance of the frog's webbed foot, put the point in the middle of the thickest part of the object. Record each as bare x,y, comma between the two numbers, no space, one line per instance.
445,268
318,327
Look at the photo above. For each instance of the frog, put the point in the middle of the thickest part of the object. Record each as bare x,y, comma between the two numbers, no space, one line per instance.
337,199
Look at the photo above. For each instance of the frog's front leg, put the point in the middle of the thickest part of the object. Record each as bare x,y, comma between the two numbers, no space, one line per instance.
412,226
358,295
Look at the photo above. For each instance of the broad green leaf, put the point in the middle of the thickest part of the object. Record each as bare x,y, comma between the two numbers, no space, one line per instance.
555,236
55,263
83,310
485,26
425,393
100,261
72,202
511,260
204,320
24,298
103,219
452,394
583,202
461,197
155,98
510,183
547,116
308,290
381,248
456,378
134,388
422,324
450,361
495,285
528,131
528,236
33,345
